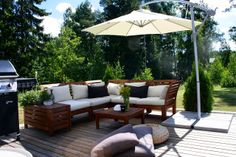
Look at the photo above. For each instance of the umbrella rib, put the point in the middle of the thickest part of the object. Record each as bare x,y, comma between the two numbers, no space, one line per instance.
177,23
129,29
156,28
141,25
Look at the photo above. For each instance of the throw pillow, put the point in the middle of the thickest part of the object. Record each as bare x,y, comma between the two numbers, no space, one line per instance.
113,88
61,93
136,84
94,91
115,144
140,92
158,91
79,91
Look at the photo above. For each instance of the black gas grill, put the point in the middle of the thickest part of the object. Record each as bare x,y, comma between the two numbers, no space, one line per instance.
9,121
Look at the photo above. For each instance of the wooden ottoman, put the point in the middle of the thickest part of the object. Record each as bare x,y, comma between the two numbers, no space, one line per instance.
159,133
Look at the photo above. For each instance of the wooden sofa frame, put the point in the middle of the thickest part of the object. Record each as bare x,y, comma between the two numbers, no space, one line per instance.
170,99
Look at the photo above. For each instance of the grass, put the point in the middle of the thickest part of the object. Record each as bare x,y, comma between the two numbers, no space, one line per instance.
224,98
21,115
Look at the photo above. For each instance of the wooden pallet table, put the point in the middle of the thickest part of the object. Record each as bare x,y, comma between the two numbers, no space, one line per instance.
48,118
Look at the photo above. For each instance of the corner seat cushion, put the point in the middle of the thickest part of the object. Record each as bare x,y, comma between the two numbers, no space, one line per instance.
151,101
119,99
76,104
97,101
115,144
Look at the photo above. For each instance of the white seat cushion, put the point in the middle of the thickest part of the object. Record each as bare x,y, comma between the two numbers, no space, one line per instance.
98,101
119,99
113,88
158,91
76,104
61,93
150,101
79,91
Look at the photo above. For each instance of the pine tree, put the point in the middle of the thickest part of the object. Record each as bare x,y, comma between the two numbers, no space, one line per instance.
7,19
30,38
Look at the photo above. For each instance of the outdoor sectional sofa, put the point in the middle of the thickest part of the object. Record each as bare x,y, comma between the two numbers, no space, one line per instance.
89,96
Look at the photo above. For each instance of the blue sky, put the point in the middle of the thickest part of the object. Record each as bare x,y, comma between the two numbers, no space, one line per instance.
53,22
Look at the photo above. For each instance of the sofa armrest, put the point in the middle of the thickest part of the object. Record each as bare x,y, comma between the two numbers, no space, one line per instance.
172,92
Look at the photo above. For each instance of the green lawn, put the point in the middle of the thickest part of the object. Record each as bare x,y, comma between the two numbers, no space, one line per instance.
224,98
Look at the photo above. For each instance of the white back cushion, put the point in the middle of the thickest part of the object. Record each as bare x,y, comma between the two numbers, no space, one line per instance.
158,91
79,91
61,93
49,87
136,84
113,89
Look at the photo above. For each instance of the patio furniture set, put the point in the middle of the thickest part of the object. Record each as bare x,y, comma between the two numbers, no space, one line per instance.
90,96
98,99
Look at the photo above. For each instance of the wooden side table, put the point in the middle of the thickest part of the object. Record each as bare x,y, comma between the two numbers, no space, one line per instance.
48,118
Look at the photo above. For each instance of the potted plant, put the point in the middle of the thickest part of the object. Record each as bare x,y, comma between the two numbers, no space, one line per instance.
125,93
33,97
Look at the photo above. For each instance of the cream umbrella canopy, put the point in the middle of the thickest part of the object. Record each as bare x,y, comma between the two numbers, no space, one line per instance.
141,22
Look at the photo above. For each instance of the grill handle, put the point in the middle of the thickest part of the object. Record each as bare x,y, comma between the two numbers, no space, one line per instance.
9,102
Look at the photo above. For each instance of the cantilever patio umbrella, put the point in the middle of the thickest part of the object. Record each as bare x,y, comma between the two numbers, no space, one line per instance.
143,22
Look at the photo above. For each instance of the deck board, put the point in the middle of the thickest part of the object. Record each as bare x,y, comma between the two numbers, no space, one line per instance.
79,140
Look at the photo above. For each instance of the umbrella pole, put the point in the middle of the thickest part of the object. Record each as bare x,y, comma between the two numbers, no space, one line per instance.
196,64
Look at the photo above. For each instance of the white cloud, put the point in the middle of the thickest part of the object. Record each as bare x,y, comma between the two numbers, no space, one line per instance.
224,19
61,7
52,25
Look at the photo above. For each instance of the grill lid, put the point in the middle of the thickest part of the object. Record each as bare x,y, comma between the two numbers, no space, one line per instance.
7,70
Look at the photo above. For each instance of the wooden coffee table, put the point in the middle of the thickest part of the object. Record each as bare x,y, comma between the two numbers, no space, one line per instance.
118,115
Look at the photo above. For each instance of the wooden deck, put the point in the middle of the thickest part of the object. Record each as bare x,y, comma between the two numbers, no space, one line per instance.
78,141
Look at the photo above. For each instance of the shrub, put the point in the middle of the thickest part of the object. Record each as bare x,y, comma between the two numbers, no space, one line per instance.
232,65
146,74
116,72
228,80
229,75
190,95
216,71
